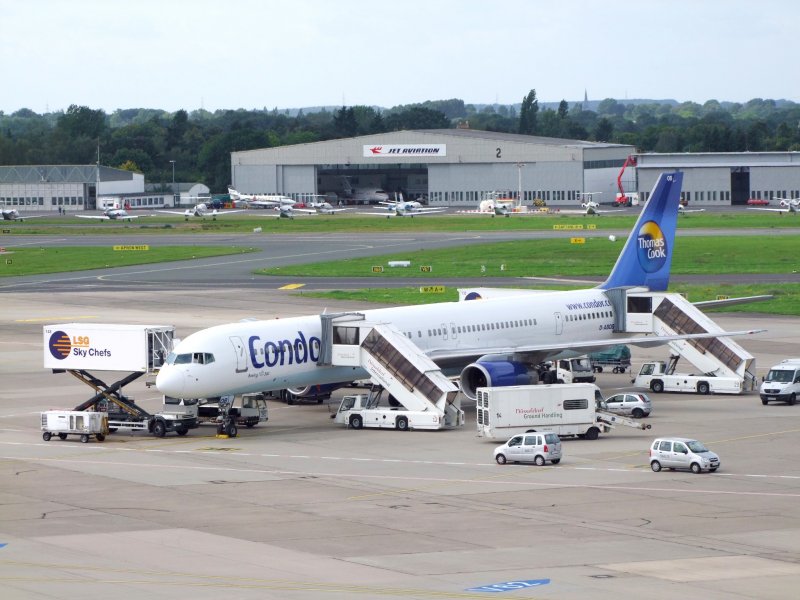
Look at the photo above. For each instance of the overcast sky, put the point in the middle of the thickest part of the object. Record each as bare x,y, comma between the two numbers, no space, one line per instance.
173,54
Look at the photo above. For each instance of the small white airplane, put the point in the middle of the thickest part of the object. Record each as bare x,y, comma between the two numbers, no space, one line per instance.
404,210
12,214
787,205
260,200
287,211
496,207
363,195
495,341
113,214
682,210
200,210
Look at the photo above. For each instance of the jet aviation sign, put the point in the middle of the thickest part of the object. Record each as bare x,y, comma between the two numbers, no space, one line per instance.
395,150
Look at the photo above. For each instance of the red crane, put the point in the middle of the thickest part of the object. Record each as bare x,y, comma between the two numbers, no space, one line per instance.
622,199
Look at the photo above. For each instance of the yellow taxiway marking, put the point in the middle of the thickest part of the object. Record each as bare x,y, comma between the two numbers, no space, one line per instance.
56,319
292,286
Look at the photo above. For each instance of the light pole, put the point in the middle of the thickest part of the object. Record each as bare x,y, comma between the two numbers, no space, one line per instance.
173,183
519,183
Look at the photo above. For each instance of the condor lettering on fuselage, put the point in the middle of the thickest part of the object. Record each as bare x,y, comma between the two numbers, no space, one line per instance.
283,352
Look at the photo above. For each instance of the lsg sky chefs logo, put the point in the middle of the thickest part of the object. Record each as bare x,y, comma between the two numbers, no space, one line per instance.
651,247
60,345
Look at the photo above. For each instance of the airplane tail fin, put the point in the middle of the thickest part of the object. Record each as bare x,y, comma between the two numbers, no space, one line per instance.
646,258
233,194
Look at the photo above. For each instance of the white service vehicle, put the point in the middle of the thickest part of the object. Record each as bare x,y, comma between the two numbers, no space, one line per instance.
782,383
248,409
568,410
71,422
568,370
364,410
659,376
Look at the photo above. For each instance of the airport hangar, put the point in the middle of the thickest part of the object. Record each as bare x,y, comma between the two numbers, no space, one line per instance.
447,167
460,167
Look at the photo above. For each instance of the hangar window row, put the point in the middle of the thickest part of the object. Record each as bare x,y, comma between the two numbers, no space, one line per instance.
769,195
15,201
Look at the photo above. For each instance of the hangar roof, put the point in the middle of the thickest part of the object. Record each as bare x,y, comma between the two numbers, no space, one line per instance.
454,145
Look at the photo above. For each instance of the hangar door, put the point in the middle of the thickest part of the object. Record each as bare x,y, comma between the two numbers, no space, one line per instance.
740,185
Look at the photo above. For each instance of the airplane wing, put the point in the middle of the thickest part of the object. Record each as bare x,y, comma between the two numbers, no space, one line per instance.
28,217
172,212
99,217
222,213
777,210
541,352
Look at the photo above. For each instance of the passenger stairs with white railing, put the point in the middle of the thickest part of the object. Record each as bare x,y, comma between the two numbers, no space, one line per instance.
392,362
667,314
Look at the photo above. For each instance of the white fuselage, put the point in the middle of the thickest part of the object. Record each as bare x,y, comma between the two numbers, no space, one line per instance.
268,355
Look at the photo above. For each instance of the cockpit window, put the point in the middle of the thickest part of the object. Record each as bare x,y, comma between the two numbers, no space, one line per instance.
179,359
202,358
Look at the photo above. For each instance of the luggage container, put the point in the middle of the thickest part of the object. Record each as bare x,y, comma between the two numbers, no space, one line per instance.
72,422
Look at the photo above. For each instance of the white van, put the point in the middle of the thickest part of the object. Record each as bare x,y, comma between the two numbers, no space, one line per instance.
782,383
538,448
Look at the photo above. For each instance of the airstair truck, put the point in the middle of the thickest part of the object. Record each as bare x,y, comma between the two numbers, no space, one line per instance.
365,410
567,409
660,376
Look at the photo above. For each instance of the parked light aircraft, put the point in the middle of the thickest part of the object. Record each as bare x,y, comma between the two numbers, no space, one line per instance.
12,214
200,210
113,214
788,205
287,211
363,195
492,342
497,207
404,210
682,210
260,200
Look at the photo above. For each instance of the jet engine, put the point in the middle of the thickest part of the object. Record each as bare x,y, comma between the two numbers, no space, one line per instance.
496,373
312,392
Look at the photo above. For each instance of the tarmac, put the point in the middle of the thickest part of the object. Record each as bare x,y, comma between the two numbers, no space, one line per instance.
300,508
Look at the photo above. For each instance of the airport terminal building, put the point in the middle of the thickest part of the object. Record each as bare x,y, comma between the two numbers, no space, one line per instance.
72,188
451,167
460,167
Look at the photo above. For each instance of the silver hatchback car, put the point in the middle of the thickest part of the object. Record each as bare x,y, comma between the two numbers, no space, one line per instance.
537,447
682,453
636,405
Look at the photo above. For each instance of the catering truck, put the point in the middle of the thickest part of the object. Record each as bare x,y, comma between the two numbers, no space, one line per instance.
782,383
575,409
106,346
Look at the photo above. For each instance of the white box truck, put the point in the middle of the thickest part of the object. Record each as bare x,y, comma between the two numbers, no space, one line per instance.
572,409
782,383
106,347
657,376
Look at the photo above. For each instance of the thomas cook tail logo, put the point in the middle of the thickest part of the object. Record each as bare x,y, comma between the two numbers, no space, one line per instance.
651,247
60,345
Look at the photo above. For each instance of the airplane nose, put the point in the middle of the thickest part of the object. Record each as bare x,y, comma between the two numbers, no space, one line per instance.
171,382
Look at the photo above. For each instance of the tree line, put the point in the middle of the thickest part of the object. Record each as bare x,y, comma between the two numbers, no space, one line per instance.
200,142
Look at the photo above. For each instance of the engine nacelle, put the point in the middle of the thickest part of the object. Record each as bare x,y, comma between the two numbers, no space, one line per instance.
316,391
496,373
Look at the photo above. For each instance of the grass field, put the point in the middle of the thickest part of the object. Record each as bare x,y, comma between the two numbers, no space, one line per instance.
560,258
346,222
34,261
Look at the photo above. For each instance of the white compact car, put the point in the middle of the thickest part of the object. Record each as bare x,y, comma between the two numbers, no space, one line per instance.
682,453
536,447
635,404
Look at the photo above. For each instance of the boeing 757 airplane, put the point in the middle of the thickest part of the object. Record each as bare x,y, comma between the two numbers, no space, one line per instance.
495,341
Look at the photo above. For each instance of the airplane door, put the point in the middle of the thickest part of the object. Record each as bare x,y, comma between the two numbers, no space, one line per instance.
453,330
559,323
241,357
444,331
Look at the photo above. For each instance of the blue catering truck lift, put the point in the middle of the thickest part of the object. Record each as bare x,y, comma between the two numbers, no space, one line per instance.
83,349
